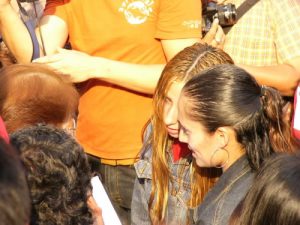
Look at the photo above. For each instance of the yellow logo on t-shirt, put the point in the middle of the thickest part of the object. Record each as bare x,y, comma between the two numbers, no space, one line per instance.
136,11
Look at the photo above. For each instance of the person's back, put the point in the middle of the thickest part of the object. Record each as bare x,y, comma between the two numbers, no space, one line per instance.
58,175
14,193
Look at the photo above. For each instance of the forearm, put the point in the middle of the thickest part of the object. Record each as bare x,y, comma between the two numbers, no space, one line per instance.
284,77
140,78
15,34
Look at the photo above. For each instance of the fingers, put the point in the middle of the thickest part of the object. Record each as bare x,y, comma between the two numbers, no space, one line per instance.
57,56
210,35
219,38
219,34
215,36
48,59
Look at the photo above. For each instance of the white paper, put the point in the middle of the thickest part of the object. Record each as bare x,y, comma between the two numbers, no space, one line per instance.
109,214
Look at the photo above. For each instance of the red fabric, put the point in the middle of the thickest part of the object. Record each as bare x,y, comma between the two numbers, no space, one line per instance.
180,150
3,132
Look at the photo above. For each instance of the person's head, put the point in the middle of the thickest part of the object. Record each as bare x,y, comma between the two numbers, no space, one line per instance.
58,175
224,113
14,193
186,64
274,197
33,93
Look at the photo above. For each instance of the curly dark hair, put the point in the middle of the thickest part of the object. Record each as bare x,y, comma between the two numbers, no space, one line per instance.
58,175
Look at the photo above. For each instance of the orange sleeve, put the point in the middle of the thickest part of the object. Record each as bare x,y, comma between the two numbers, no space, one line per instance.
179,19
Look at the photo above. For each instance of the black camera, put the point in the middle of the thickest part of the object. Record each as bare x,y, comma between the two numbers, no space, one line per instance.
225,13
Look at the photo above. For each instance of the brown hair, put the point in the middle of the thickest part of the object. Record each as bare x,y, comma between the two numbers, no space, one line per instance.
33,93
186,64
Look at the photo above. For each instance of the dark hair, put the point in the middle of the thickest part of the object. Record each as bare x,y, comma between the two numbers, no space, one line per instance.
227,95
58,175
14,193
274,197
33,93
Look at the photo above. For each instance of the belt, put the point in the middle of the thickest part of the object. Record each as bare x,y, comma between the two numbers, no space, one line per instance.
118,162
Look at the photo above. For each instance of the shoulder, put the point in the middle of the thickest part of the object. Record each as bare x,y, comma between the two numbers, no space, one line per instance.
222,199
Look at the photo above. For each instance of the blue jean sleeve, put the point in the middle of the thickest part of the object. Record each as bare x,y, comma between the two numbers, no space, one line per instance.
139,204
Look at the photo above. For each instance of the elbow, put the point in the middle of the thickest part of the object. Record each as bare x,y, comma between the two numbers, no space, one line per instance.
293,84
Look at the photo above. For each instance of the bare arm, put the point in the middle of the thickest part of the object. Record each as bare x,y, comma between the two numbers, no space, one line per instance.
18,40
285,77
15,33
141,78
80,66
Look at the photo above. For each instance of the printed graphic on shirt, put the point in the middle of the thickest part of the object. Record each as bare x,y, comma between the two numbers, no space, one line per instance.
136,11
192,24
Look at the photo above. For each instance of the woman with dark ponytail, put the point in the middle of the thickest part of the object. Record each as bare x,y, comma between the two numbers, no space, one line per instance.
229,121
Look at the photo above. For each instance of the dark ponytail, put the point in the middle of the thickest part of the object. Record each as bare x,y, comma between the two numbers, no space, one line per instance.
279,130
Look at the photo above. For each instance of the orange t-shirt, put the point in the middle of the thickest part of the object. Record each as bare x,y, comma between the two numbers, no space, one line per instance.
111,118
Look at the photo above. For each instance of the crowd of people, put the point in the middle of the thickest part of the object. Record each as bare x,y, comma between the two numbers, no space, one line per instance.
182,127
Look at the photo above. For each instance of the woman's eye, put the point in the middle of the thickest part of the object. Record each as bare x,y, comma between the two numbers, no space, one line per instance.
168,100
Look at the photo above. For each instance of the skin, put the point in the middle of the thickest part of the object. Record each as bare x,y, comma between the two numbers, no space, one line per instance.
216,149
80,66
284,77
170,113
96,211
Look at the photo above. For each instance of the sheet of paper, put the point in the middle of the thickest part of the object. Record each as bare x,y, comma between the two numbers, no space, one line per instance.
109,214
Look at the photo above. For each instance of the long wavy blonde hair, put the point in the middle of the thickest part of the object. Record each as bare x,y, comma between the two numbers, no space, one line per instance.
186,64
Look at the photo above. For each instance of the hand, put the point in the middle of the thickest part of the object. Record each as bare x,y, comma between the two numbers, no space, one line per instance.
215,36
96,211
72,63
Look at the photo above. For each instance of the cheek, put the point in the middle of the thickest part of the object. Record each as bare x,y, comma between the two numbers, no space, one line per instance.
166,110
202,146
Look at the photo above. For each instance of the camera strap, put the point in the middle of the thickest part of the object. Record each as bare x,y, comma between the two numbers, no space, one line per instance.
29,23
240,11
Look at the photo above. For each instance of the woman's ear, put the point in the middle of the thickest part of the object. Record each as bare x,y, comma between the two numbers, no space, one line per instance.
223,136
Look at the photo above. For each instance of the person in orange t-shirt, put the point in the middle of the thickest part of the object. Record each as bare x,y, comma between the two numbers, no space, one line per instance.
119,49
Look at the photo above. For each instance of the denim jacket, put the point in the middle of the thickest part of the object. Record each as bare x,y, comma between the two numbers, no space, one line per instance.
179,191
223,198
